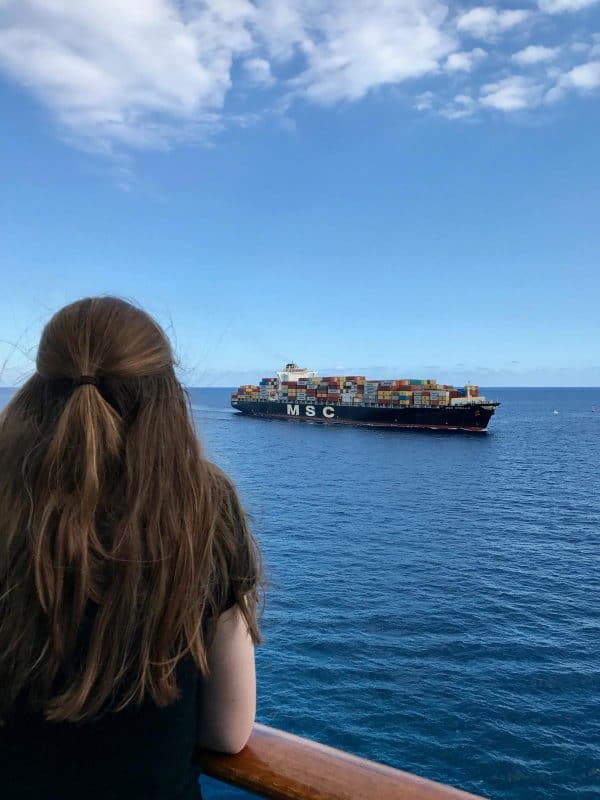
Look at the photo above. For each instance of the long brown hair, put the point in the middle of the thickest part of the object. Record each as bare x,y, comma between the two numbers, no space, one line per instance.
120,543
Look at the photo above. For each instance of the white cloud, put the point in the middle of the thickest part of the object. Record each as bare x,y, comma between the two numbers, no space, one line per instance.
461,107
584,78
560,6
425,101
283,26
452,112
258,72
120,71
515,93
143,72
146,73
535,54
358,46
485,22
464,61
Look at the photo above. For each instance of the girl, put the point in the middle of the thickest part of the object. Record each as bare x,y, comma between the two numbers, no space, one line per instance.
128,576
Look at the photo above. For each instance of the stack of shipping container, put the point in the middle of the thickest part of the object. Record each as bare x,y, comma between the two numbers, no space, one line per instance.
268,389
356,390
249,392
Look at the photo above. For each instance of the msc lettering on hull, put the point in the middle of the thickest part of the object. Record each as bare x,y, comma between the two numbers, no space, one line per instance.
293,410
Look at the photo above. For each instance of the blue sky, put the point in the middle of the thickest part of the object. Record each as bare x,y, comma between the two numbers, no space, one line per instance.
395,187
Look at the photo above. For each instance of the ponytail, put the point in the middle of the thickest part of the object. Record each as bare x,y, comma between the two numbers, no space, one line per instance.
68,553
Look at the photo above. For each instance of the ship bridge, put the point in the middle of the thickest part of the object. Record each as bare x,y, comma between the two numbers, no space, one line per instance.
293,372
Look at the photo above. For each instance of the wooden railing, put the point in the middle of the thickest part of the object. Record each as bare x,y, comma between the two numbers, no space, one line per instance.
281,766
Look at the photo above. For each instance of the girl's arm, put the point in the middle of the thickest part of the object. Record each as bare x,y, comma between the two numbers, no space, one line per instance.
227,697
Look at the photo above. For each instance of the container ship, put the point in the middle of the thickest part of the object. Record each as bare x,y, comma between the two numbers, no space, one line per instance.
410,403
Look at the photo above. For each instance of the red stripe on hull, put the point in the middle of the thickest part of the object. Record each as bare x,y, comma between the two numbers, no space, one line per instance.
406,426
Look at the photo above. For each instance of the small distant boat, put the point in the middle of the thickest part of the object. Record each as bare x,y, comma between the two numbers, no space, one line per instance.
556,412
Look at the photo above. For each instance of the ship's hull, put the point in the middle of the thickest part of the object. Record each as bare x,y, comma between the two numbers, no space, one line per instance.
472,418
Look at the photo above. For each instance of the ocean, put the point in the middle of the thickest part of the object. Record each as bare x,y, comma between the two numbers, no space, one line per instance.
433,598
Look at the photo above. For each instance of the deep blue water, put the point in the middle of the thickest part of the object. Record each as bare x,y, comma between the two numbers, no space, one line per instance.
434,599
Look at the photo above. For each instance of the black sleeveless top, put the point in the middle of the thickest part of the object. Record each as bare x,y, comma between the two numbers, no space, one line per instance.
143,753
137,754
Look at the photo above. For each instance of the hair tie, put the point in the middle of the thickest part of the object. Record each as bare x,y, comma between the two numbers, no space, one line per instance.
83,380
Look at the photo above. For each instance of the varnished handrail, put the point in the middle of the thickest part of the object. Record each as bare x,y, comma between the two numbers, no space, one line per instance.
281,766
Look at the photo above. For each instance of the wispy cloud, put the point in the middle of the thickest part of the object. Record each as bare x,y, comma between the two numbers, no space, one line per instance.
425,101
148,73
121,72
461,106
350,48
464,61
514,93
584,78
561,6
485,22
535,54
258,72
